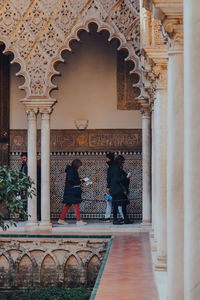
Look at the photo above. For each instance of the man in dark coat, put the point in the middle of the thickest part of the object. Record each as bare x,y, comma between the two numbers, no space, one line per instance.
24,169
72,192
110,160
119,188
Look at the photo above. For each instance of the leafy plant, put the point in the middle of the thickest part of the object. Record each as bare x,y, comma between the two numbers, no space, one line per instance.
15,188
49,293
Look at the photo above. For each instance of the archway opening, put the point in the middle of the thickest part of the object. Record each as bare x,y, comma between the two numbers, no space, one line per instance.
88,90
96,83
9,89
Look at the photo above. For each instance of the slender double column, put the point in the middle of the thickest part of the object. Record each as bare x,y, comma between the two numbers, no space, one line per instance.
175,169
32,163
146,165
191,150
160,136
45,168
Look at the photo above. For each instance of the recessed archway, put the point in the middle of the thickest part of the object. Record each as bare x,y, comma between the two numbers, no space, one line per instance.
9,68
127,50
96,74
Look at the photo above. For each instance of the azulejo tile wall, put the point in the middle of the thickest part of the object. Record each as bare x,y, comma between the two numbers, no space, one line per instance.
90,146
94,167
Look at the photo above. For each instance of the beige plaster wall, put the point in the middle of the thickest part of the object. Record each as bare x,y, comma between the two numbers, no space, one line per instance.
86,89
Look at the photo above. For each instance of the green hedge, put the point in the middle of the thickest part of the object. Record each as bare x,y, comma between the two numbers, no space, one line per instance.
50,293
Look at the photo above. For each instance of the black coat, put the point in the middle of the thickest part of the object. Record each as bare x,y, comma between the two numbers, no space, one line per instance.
72,193
110,163
24,168
119,185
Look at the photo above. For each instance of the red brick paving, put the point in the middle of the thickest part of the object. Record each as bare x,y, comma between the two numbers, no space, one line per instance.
128,272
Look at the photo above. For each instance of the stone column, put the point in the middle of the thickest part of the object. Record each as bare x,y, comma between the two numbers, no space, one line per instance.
45,168
153,173
191,150
145,28
155,149
146,165
32,163
175,163
160,116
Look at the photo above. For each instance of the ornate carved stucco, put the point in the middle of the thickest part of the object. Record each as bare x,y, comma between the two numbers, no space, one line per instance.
161,34
37,31
126,93
154,51
48,261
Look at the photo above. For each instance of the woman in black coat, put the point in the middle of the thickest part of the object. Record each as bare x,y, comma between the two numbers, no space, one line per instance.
72,192
119,188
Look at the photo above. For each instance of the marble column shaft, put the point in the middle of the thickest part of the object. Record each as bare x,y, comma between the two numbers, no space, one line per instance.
160,108
146,165
45,168
153,173
175,165
32,161
191,150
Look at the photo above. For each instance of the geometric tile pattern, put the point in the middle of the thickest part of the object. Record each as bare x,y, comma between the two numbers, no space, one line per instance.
95,168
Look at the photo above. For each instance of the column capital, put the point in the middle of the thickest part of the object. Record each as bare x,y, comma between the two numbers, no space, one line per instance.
45,111
148,79
31,112
172,32
160,71
146,111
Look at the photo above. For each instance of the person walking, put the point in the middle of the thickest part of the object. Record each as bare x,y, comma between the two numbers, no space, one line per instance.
72,192
110,160
119,188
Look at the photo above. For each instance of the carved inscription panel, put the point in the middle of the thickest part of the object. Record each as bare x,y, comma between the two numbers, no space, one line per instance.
87,140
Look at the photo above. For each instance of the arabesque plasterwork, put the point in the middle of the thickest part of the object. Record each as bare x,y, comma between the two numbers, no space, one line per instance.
37,31
161,34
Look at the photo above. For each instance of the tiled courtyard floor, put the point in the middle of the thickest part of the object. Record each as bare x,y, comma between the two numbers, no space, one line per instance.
128,271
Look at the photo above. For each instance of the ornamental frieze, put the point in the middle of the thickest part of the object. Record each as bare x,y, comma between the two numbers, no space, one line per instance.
82,140
37,31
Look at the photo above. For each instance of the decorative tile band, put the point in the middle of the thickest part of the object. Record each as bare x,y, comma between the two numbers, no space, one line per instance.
67,140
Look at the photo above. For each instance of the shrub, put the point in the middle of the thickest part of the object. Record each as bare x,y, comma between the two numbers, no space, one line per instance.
15,188
49,293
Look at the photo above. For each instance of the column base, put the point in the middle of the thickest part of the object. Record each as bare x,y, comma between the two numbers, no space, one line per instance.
146,224
47,226
31,226
152,235
161,263
154,246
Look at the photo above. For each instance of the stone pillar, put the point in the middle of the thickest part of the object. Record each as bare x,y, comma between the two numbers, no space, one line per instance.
32,163
145,28
160,108
155,149
153,173
45,168
175,165
146,165
191,150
